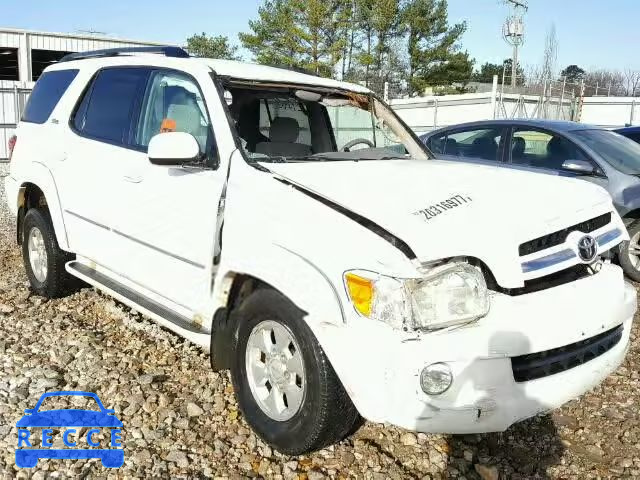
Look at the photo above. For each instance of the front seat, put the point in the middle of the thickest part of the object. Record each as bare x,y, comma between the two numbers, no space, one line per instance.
517,150
184,110
557,153
283,134
485,148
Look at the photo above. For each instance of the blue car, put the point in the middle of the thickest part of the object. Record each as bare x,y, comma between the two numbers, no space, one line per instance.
68,419
559,148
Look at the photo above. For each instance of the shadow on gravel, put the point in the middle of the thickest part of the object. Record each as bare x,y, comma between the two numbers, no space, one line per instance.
525,451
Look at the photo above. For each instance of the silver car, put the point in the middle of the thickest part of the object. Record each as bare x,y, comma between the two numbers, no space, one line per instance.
557,148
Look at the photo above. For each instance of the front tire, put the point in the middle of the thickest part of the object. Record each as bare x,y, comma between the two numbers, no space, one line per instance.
44,261
286,388
629,254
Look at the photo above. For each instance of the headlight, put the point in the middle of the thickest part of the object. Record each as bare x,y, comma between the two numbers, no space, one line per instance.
450,294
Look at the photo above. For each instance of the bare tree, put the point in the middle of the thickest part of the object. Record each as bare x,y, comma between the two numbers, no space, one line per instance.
604,82
632,81
533,74
550,54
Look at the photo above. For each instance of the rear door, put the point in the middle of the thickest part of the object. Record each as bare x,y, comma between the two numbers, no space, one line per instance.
97,148
484,144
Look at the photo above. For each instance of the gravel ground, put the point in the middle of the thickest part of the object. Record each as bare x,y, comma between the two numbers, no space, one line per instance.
181,419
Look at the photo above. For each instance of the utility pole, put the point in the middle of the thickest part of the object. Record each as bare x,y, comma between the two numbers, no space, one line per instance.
513,33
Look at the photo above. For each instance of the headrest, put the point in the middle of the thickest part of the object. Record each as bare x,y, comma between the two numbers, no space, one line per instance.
284,130
556,147
519,145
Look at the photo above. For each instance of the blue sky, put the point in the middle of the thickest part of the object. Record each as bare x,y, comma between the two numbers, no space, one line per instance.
591,33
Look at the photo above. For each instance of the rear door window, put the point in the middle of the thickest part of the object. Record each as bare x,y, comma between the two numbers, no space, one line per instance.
46,94
110,104
481,143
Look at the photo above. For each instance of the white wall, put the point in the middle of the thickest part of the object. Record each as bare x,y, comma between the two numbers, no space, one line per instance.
611,111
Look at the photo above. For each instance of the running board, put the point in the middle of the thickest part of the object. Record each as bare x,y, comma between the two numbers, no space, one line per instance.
176,322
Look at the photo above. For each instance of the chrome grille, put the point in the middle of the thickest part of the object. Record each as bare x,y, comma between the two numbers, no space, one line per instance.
558,238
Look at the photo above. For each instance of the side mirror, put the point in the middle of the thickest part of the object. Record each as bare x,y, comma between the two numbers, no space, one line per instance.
173,148
581,167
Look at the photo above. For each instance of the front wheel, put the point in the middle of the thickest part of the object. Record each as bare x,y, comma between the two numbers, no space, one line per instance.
629,254
286,388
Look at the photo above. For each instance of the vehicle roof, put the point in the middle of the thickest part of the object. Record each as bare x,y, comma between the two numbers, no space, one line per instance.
635,129
227,68
554,125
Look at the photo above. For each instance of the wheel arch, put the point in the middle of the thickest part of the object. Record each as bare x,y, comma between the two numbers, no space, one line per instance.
38,189
295,277
631,216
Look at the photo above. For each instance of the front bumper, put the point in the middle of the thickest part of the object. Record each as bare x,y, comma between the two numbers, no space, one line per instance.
381,368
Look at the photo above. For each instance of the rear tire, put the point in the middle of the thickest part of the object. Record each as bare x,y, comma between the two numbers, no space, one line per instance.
629,253
318,411
44,261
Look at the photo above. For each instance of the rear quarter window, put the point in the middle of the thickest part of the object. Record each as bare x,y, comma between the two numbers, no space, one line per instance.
46,94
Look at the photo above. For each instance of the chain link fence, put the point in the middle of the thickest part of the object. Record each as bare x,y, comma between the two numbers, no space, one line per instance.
12,102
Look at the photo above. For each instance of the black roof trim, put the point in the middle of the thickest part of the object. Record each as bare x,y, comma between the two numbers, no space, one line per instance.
167,51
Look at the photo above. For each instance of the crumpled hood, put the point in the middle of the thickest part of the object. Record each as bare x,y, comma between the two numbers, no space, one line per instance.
445,209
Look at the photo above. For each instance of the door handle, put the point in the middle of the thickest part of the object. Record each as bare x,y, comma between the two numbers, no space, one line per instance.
132,178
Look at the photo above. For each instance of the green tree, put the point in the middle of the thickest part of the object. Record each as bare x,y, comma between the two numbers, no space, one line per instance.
212,47
269,41
573,73
434,55
297,33
520,77
488,70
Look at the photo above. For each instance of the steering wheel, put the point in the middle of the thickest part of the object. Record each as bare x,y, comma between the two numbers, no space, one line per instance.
349,145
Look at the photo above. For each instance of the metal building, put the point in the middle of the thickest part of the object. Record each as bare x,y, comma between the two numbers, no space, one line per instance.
24,54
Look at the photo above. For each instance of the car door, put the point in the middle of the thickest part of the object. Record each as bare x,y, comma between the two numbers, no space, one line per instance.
547,151
167,215
483,144
87,173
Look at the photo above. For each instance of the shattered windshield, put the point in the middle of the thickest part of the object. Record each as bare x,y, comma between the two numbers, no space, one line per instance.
295,125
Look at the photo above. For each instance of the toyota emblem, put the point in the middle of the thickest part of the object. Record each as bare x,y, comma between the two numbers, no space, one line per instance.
587,249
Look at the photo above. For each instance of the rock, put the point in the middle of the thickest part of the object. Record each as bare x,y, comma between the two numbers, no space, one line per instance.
486,472
194,410
6,308
626,463
347,459
179,458
594,453
145,379
408,439
182,423
468,456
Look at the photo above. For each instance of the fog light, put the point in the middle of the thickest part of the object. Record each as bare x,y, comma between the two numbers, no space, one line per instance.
436,379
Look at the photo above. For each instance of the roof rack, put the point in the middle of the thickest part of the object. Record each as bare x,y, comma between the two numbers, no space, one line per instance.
167,51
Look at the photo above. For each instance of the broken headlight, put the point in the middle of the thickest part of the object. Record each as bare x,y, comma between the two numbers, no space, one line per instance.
450,294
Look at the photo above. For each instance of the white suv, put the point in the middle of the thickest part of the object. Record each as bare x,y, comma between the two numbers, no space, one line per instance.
296,227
